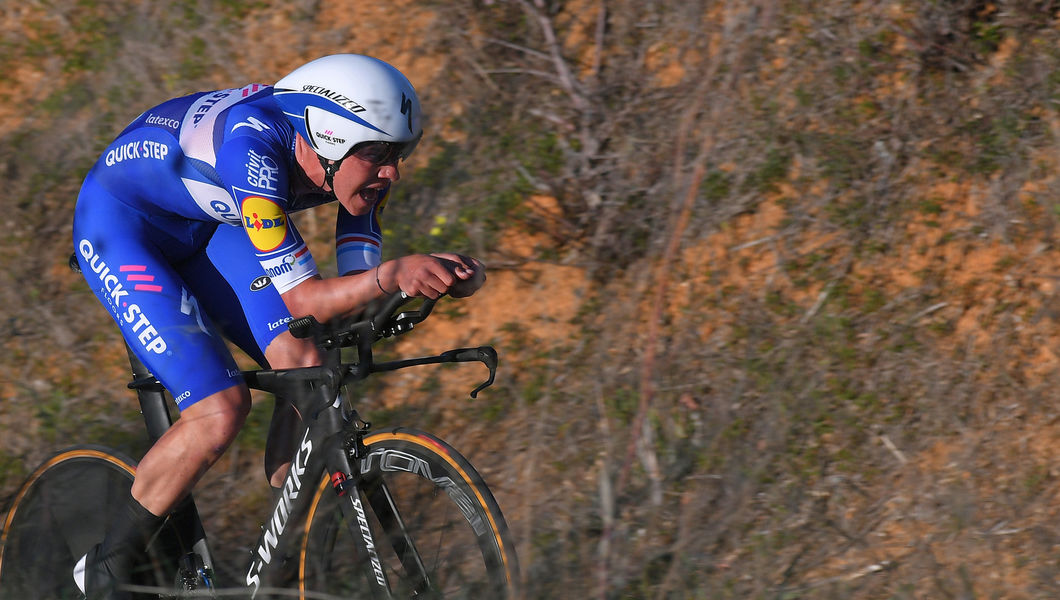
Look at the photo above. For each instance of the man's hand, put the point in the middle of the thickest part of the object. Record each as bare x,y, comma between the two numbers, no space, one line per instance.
470,273
432,275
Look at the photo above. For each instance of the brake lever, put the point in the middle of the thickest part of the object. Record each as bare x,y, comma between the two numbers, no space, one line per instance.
484,354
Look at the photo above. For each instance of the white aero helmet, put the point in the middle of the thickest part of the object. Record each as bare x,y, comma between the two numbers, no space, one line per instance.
339,101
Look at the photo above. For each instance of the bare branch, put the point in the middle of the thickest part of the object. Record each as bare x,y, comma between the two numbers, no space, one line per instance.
514,71
528,51
563,73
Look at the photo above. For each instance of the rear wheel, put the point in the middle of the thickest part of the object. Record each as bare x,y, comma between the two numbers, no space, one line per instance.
438,531
61,511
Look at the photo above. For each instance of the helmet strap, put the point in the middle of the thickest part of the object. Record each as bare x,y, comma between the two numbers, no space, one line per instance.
329,171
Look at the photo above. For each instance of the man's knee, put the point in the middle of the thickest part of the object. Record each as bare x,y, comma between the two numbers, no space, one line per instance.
287,351
219,416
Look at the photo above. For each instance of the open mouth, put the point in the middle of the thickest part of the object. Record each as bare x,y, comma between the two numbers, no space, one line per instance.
370,195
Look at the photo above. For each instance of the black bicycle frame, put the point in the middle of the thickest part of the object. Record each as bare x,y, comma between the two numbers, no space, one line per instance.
326,443
324,432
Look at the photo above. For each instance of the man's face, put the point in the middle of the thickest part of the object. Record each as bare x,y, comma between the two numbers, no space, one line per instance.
360,184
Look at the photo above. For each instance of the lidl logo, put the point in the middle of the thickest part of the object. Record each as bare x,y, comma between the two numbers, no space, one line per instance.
265,223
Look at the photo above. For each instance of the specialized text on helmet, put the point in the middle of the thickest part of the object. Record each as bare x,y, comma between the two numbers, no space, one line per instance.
343,101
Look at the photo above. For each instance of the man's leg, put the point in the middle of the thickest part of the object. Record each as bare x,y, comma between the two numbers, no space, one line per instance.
177,461
153,301
167,473
285,352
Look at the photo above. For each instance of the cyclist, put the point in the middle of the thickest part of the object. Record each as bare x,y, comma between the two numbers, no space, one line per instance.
182,231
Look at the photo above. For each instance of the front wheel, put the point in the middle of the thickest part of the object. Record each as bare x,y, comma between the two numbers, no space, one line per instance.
437,529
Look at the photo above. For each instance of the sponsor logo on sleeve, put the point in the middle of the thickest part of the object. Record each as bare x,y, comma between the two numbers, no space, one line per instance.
252,123
260,283
278,267
265,223
262,171
278,324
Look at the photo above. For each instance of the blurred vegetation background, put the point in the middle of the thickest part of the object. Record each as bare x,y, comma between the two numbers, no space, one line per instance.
773,282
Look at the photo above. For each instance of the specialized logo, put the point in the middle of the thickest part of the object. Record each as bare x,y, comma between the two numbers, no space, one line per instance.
270,537
190,306
251,122
406,109
137,149
343,101
115,294
366,535
262,171
265,223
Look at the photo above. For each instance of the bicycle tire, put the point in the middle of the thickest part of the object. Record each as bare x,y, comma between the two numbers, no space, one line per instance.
452,517
63,509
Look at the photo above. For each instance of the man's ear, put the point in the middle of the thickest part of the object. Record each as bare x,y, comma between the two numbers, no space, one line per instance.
306,160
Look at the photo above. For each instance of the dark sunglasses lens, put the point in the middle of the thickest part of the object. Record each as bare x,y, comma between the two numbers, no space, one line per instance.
373,152
409,146
382,153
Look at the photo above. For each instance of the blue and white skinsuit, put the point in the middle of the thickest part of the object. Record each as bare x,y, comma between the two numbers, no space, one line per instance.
182,232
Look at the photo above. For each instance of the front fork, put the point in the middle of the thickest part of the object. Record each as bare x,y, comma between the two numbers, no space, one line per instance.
345,451
354,488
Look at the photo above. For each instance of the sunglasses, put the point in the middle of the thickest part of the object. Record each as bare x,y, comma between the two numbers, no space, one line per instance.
383,153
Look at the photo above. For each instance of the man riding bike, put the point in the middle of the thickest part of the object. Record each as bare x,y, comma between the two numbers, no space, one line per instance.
182,231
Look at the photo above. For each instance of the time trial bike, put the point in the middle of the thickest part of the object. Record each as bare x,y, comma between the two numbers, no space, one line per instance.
363,513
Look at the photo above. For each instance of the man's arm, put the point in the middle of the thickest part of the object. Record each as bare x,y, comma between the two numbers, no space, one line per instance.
426,275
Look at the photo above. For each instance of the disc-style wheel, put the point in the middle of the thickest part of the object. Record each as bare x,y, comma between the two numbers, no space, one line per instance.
62,510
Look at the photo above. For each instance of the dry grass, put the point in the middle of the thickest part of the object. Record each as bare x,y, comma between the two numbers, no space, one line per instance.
780,321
